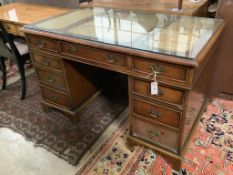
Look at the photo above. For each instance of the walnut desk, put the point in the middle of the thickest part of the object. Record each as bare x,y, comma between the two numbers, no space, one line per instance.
15,15
177,49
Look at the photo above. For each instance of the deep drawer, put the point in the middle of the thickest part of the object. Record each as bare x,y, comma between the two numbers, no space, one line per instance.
46,60
56,97
154,133
51,79
166,94
157,113
100,56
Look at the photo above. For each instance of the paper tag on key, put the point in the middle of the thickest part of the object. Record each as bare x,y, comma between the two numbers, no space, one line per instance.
154,85
154,88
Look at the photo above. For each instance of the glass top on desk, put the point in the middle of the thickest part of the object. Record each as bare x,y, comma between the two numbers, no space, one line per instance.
153,32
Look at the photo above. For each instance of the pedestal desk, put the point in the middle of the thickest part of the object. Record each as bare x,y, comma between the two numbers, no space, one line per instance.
65,50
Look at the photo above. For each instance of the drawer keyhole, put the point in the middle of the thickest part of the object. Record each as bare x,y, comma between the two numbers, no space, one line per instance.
154,114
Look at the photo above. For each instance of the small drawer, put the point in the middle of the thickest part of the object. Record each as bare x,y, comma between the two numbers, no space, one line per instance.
10,28
165,71
157,113
99,56
154,133
51,79
165,94
46,60
56,97
42,43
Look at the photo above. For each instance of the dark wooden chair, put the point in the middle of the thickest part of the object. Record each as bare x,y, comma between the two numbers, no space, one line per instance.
17,50
4,53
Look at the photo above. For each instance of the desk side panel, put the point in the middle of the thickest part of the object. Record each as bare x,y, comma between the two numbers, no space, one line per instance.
197,98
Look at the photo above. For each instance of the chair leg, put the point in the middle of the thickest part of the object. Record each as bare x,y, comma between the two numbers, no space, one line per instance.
3,68
20,66
23,80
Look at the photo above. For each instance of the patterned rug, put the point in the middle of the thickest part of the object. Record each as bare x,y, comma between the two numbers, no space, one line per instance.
52,130
13,74
209,152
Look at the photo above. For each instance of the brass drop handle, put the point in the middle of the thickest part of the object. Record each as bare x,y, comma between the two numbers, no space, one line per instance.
46,62
8,27
71,49
111,58
157,69
41,44
54,98
154,114
161,92
51,79
153,134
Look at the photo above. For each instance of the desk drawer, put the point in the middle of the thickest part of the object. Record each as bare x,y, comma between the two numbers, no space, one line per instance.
42,43
10,28
51,79
100,56
46,60
56,97
167,71
166,94
154,133
157,113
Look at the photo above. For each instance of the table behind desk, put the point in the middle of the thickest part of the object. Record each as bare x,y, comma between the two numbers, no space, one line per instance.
14,16
54,3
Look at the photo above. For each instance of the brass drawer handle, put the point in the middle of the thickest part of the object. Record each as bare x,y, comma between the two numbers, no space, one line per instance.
46,62
161,92
8,27
71,49
41,44
153,134
157,69
54,98
51,79
111,58
154,114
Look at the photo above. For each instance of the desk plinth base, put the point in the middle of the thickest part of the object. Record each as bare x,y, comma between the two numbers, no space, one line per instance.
173,159
72,115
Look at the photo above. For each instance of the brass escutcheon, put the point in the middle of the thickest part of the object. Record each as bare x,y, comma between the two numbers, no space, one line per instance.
154,114
154,133
157,69
72,49
111,58
46,62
